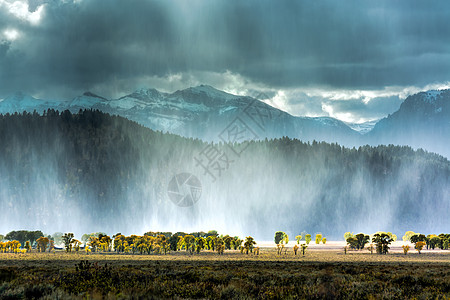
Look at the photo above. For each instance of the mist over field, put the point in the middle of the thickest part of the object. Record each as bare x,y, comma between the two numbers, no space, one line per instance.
92,172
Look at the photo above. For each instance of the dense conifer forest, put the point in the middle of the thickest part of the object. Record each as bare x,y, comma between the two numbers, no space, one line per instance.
92,171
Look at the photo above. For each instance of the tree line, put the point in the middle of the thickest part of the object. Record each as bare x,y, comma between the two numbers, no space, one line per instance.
149,243
381,241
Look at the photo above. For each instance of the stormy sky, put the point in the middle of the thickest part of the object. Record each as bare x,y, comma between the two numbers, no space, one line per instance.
353,60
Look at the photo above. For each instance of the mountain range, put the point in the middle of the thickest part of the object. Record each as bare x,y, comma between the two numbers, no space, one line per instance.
422,121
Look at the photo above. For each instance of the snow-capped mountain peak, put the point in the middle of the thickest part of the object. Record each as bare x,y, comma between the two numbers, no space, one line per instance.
144,94
204,92
87,100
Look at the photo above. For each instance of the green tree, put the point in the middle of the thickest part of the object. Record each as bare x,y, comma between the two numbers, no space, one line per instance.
200,243
407,236
24,235
445,244
307,238
67,240
237,243
358,241
348,235
382,242
42,243
434,242
28,246
279,237
249,244
173,241
298,238
418,238
189,242
228,241
352,242
212,233
318,238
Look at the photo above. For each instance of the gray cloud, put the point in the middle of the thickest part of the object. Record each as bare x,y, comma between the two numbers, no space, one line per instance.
116,45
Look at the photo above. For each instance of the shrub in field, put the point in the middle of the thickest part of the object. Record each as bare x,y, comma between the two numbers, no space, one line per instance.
405,249
324,240
419,246
296,249
304,249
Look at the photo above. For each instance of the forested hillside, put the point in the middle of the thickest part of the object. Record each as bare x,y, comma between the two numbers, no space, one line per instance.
92,171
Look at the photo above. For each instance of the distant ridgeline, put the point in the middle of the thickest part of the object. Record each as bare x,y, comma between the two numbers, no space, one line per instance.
95,172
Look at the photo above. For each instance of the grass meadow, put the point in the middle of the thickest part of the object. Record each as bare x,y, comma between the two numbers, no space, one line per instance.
324,272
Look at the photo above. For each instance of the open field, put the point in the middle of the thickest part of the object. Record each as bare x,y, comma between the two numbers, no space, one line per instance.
324,272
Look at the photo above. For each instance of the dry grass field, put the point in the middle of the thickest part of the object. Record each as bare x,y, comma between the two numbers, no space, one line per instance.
324,272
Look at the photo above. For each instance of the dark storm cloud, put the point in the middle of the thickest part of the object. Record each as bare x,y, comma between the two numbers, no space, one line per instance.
282,44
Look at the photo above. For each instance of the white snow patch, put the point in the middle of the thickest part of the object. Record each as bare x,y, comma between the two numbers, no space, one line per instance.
431,96
363,128
84,101
127,103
